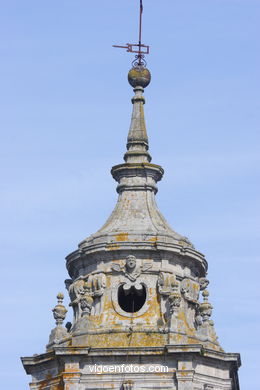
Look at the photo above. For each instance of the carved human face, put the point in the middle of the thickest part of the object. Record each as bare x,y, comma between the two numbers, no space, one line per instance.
131,263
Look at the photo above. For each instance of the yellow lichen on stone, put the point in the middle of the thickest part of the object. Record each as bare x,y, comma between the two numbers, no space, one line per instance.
122,237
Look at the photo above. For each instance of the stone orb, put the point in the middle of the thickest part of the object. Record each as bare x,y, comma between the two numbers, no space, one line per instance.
139,77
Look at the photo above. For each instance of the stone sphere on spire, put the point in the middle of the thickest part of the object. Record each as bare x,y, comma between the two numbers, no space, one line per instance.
139,76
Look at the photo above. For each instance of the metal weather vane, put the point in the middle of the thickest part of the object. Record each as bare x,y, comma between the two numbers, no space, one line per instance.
139,47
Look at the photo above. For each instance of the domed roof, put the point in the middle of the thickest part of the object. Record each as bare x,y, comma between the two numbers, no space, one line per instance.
136,222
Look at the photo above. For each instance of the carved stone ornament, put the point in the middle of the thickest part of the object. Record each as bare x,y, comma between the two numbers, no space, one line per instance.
86,300
97,284
168,289
206,326
174,301
59,311
75,289
59,314
198,318
204,282
83,290
131,270
166,283
190,290
205,307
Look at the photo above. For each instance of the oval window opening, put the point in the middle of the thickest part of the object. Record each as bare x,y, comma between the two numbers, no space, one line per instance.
130,298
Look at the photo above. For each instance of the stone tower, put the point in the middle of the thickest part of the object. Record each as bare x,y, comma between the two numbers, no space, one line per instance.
138,319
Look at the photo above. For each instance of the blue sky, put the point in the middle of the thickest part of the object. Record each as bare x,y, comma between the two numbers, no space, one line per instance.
64,115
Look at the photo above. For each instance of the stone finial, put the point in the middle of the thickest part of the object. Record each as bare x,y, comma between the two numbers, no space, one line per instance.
205,307
58,333
205,324
59,311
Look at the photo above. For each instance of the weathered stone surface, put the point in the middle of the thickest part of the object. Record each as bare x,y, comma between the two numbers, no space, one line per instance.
182,367
135,293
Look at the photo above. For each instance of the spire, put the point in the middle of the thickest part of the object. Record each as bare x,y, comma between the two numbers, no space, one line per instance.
136,214
137,142
139,77
137,173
